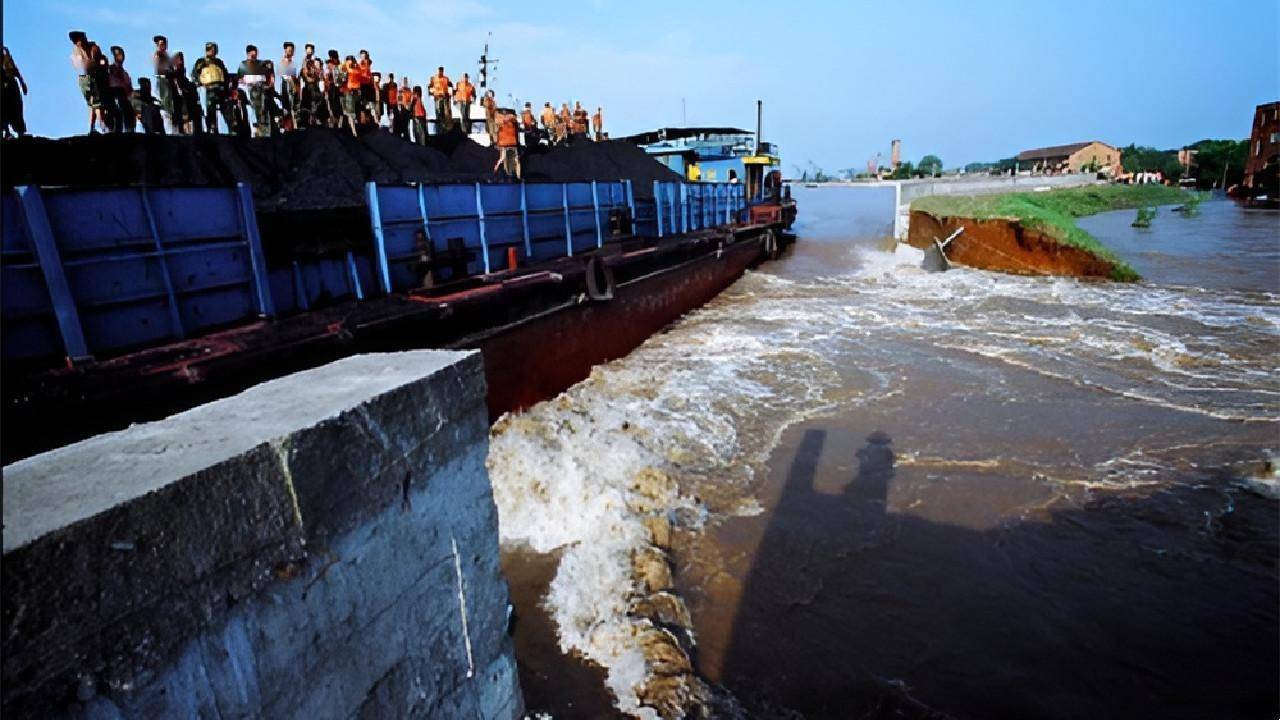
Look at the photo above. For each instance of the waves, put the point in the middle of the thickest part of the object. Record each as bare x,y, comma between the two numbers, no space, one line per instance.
674,436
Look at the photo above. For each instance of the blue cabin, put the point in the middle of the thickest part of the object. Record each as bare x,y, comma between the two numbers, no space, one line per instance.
713,154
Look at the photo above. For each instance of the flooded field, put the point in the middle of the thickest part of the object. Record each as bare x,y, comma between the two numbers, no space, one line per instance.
847,487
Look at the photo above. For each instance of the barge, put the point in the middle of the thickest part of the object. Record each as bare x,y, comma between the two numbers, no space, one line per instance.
123,305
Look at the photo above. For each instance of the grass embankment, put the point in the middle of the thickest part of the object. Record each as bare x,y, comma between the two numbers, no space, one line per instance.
1054,212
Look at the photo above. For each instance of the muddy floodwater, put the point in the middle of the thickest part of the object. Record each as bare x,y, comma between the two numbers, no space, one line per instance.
887,493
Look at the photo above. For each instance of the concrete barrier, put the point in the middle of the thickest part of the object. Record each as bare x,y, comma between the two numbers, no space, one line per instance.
321,545
985,184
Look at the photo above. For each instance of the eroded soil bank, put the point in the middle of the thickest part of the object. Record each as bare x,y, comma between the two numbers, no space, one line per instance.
1007,246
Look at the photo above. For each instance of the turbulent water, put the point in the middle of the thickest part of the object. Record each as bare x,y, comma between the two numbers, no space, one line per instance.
887,492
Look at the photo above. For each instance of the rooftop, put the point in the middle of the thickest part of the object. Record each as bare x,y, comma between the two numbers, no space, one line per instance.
1054,151
676,133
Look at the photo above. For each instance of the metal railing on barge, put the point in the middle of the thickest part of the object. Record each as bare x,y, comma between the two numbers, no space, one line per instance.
96,272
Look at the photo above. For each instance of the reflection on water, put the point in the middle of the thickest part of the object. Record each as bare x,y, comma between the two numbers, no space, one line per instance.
893,492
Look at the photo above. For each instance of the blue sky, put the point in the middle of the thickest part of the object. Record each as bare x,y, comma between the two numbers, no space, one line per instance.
967,81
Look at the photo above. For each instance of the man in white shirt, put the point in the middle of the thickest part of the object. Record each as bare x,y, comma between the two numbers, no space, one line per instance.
82,61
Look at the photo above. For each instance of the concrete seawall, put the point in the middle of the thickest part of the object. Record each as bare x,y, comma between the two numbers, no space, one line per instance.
985,184
321,545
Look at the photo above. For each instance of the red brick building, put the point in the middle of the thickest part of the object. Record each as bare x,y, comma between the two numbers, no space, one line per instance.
1260,170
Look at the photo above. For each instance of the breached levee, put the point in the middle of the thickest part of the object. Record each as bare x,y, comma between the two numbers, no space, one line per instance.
1005,245
1032,233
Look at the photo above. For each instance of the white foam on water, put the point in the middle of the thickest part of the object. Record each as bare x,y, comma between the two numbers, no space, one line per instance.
674,431
678,429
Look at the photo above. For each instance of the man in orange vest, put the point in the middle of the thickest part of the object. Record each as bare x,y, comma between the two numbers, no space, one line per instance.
465,94
549,122
508,145
439,89
419,110
351,104
529,125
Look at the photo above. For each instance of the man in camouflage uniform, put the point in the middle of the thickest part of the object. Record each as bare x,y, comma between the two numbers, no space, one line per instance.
255,76
211,74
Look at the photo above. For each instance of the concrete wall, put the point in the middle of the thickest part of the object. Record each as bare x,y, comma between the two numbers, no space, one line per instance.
975,185
322,545
983,184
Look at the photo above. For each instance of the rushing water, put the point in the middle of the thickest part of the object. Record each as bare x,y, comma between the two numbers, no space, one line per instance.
894,493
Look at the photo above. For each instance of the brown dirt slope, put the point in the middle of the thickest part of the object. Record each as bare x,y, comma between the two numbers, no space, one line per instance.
1005,245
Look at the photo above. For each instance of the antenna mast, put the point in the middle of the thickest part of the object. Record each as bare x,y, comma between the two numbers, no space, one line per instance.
486,63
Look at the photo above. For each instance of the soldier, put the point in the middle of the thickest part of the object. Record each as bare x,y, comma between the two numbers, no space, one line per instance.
311,99
186,99
288,72
147,108
389,96
255,77
211,74
119,92
162,66
332,89
404,110
15,86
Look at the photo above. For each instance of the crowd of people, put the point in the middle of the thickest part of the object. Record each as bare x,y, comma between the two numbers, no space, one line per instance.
264,97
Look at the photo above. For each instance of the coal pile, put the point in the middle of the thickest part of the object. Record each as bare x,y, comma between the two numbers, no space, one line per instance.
311,169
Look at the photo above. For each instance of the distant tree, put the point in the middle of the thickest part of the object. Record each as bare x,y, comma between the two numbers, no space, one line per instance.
979,167
903,172
1214,158
1137,158
930,165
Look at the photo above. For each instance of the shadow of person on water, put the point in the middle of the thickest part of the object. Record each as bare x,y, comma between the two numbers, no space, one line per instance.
856,607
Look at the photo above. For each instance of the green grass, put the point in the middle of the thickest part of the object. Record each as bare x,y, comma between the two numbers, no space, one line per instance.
1054,213
1144,218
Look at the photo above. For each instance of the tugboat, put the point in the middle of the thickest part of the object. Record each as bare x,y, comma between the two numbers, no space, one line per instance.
727,154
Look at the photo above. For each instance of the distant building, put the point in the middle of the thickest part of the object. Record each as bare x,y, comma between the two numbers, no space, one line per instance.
1264,146
1071,158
